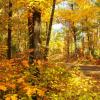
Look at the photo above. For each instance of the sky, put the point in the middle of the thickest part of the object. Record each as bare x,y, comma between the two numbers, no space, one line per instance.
63,5
59,27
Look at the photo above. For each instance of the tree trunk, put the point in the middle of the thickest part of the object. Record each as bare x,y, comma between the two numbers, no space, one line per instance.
83,46
49,30
75,42
83,40
9,30
90,44
34,26
68,45
74,32
97,39
46,28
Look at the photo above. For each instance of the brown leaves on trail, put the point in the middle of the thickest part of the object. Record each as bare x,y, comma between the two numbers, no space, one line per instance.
25,63
5,85
97,62
39,62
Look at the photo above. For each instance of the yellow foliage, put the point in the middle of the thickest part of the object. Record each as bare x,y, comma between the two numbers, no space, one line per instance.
39,62
30,90
20,80
11,97
41,92
34,90
2,87
8,98
82,3
14,97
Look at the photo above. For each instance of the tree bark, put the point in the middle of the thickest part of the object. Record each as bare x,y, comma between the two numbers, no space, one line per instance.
46,28
34,26
9,30
90,44
74,32
49,30
68,45
75,42
83,46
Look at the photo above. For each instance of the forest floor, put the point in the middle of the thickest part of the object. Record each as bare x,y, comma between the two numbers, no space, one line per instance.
90,69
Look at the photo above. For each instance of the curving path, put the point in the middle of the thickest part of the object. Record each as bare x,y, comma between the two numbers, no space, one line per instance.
91,70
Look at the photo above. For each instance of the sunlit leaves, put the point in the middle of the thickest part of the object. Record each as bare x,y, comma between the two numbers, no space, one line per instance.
11,97
84,9
3,87
25,63
16,75
69,15
34,90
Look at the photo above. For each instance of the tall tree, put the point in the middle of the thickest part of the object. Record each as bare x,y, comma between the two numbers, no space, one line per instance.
34,26
9,29
50,28
72,28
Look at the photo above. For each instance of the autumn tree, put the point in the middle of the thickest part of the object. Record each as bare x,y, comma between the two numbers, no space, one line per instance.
34,26
49,29
9,29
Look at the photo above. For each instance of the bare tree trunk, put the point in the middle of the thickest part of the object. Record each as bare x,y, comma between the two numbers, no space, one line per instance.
67,39
83,46
98,39
34,26
19,39
9,30
83,41
49,30
30,29
90,44
75,42
74,32
46,28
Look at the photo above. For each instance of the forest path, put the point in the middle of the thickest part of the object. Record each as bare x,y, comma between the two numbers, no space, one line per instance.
88,70
91,70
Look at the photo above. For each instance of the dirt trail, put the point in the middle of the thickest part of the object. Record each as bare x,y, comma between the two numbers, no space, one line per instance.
88,70
91,70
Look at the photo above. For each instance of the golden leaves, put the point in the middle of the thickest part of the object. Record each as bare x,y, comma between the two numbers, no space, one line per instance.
68,15
3,87
20,80
83,3
34,90
11,97
83,10
90,13
25,63
39,62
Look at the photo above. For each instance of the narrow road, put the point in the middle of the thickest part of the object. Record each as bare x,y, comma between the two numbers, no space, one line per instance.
88,70
91,70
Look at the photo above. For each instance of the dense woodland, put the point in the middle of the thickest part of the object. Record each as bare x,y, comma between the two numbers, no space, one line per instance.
48,49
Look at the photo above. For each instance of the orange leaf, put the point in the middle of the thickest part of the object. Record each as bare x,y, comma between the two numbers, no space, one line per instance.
39,62
2,87
25,63
8,98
